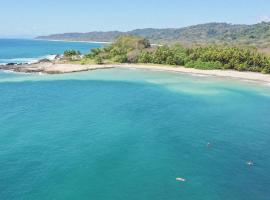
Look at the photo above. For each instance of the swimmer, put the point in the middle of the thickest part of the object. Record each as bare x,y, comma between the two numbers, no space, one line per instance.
180,179
250,163
209,145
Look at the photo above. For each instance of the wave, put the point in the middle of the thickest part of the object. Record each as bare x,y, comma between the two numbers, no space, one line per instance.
18,60
25,60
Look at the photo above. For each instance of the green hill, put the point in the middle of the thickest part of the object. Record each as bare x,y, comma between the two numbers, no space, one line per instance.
219,33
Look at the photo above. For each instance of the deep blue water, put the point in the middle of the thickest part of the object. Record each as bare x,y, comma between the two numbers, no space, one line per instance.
127,134
22,50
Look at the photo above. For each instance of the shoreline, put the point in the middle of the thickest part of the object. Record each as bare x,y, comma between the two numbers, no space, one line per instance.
94,42
248,76
55,68
81,41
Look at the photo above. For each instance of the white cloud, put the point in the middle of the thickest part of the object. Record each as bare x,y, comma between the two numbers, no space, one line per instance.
264,18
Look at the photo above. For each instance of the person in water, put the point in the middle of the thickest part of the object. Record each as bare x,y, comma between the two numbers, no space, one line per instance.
181,179
209,145
250,163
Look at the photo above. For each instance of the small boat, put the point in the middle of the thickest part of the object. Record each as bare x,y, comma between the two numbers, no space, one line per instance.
180,179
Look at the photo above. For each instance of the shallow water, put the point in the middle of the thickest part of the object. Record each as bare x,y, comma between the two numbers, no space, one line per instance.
128,134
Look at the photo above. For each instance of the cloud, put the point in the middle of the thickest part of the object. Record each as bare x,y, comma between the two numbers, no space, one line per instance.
264,18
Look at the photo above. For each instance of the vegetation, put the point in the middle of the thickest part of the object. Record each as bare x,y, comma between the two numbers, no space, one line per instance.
70,53
125,49
216,33
130,49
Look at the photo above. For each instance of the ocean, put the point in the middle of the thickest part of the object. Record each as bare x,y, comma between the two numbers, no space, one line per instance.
27,50
128,134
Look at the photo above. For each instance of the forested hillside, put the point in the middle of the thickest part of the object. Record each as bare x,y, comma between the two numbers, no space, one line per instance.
257,34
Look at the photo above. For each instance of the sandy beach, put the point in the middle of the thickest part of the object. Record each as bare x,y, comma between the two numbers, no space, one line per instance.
252,76
54,68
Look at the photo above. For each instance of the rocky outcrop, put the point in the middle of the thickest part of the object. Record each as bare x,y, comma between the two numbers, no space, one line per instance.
11,64
52,68
45,60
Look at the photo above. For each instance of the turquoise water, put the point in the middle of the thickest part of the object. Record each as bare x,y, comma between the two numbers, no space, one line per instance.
21,50
127,134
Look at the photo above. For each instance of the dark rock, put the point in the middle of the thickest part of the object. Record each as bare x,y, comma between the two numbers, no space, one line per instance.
11,64
58,57
44,60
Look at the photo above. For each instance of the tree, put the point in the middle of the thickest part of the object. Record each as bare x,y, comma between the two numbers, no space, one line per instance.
145,57
98,60
70,53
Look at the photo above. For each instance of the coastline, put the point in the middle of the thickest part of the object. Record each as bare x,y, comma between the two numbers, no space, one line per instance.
94,42
81,41
55,68
248,76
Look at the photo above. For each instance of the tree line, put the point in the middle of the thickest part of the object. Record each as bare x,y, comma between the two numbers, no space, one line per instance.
131,49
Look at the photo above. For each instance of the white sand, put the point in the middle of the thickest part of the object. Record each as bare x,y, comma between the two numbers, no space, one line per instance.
254,76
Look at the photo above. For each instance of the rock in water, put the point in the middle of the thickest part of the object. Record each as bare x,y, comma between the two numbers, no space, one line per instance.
45,60
11,64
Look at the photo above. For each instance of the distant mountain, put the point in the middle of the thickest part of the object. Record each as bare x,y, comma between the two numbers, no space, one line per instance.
257,34
91,36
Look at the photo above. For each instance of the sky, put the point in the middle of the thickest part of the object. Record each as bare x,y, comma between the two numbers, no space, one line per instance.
29,18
